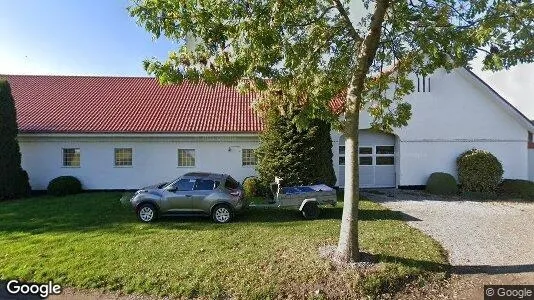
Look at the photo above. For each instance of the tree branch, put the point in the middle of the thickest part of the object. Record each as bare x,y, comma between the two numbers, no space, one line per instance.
345,16
366,55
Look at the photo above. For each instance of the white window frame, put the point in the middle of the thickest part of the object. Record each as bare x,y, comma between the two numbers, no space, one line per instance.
384,155
248,160
115,157
184,165
371,155
78,151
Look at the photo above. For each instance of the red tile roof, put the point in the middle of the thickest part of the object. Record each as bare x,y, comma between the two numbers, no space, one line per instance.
81,104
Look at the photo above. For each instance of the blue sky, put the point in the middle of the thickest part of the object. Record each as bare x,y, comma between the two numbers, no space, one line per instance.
98,37
91,37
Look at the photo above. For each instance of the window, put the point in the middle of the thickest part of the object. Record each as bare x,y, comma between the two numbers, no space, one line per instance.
385,149
385,160
248,157
366,160
423,83
123,157
186,157
342,150
71,157
231,183
366,150
185,184
342,160
204,185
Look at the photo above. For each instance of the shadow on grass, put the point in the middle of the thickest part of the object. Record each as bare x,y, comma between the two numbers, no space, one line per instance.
460,270
425,265
103,212
493,270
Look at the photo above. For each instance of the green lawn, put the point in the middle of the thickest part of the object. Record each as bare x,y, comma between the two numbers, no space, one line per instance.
91,241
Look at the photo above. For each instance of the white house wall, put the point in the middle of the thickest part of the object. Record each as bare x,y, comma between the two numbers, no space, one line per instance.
459,113
154,160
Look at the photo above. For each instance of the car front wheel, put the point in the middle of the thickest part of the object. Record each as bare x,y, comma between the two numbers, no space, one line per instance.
146,213
221,213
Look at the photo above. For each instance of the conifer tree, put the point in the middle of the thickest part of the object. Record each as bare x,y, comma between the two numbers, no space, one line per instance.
13,179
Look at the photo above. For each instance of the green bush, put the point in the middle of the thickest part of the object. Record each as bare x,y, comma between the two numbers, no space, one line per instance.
517,188
441,184
479,172
13,179
64,185
251,187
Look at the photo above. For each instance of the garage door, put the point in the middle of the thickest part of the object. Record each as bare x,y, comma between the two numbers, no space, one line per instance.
376,156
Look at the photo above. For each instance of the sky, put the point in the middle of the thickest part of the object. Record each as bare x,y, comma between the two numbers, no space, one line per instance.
98,37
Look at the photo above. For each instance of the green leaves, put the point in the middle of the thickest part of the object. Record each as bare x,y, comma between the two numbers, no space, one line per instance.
308,50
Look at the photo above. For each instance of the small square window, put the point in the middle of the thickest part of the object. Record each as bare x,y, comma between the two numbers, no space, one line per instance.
366,150
366,160
342,160
385,160
123,157
248,157
186,157
71,157
342,150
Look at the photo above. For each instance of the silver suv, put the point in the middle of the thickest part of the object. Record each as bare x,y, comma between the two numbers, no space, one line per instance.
209,194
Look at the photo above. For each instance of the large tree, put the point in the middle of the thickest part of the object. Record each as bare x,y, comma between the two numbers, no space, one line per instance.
307,52
13,180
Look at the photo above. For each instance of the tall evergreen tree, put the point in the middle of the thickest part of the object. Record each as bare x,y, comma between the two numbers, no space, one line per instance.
13,179
299,157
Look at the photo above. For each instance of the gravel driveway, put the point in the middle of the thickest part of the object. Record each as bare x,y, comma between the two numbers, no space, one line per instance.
485,237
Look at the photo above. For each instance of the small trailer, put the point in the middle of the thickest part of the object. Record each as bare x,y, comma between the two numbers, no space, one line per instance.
306,198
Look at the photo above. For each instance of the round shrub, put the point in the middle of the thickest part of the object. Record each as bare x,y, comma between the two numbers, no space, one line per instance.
64,185
479,171
517,188
441,184
251,187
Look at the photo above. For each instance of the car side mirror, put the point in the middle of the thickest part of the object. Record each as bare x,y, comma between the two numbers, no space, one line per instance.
172,189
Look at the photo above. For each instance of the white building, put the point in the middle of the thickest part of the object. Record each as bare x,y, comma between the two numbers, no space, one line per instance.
129,132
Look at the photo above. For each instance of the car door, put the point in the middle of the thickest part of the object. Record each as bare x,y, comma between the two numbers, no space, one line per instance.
180,196
203,188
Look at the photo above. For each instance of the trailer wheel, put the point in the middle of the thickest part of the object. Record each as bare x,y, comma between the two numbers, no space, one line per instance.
310,211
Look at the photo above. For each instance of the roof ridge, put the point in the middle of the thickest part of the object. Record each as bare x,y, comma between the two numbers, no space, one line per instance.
77,76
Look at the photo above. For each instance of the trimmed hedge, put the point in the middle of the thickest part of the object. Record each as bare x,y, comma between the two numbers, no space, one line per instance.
441,184
251,187
517,188
479,171
64,185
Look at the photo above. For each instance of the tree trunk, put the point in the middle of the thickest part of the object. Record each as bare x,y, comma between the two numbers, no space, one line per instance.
348,247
